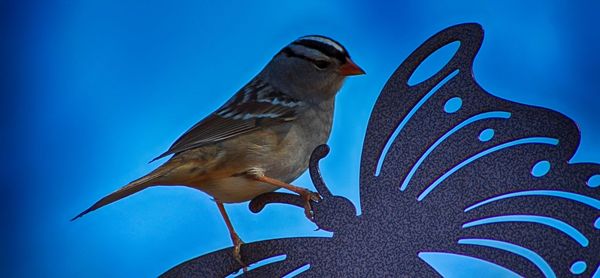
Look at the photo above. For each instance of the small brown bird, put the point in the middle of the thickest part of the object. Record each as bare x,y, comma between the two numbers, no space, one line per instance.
261,139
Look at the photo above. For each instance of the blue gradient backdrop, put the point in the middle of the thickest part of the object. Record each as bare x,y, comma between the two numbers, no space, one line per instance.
92,90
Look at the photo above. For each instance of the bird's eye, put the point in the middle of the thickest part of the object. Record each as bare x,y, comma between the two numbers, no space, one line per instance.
320,64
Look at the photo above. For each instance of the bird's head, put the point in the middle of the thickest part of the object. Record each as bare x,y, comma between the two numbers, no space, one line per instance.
312,64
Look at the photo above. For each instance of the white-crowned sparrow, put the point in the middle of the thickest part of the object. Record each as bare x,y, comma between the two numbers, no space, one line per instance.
261,139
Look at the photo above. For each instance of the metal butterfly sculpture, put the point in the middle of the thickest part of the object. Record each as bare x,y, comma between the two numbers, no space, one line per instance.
468,178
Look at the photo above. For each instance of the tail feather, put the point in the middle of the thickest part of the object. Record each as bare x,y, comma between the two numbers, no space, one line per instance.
131,188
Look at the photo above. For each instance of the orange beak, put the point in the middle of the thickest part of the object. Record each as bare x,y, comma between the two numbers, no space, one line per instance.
350,68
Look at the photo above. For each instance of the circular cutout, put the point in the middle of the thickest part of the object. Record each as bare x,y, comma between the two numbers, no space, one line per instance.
541,168
594,181
453,105
486,135
578,267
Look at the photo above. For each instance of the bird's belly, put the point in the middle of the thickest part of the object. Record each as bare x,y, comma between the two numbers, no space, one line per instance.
235,189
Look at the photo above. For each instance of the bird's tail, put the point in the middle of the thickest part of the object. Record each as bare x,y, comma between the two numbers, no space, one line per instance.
133,187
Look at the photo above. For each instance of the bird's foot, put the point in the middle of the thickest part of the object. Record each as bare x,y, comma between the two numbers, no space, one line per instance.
309,196
237,248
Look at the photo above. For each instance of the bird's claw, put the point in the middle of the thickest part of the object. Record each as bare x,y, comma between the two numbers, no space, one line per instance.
315,197
237,248
309,196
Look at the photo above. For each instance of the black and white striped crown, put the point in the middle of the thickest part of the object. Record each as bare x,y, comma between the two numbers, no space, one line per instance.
315,47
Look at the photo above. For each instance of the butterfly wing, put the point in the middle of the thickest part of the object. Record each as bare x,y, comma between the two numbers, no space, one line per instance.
269,258
463,173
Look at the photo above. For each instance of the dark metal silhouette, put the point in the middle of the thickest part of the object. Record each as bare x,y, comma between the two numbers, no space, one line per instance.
465,175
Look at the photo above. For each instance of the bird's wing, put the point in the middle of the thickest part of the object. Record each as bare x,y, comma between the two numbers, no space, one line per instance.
257,104
269,258
476,177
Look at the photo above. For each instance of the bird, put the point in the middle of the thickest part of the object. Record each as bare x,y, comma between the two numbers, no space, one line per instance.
261,139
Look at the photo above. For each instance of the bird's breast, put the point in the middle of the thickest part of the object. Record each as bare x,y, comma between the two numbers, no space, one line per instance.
297,142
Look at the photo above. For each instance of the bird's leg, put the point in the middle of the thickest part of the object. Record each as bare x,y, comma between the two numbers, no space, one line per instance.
306,194
237,241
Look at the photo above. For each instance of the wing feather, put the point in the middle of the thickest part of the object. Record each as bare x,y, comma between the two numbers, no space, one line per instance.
241,114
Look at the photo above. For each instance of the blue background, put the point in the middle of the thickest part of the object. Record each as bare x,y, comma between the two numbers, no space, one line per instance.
92,90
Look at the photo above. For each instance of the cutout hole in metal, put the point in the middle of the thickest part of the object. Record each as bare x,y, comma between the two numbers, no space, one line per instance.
433,63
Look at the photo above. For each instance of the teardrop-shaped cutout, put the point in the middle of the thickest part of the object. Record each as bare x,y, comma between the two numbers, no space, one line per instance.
433,63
